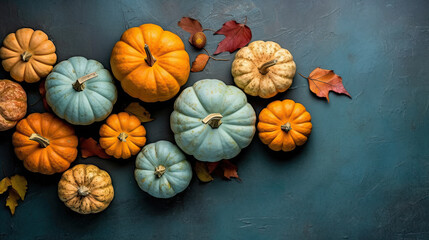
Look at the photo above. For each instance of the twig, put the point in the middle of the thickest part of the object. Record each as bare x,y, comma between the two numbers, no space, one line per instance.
217,59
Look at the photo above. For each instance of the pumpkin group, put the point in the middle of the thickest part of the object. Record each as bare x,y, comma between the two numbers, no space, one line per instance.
80,91
122,135
162,170
86,189
212,121
13,104
150,63
263,69
28,55
283,125
45,143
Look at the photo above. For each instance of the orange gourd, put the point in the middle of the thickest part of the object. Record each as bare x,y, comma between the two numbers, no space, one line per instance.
150,63
45,143
13,104
28,55
283,125
122,135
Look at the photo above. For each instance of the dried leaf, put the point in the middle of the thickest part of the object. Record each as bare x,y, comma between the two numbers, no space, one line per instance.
190,25
322,81
19,184
200,62
211,166
89,147
140,112
4,184
229,170
237,35
12,200
202,172
42,91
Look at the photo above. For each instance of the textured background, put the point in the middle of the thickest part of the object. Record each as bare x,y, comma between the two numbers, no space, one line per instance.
363,174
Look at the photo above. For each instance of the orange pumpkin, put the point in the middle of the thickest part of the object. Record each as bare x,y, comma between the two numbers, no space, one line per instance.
283,125
45,143
28,55
13,104
150,63
122,135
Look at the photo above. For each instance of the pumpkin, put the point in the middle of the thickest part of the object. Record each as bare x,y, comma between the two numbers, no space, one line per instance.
45,143
150,63
212,121
28,55
122,135
13,104
80,91
86,189
263,69
162,170
283,125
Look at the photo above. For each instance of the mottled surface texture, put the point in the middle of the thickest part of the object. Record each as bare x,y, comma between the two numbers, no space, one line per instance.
363,174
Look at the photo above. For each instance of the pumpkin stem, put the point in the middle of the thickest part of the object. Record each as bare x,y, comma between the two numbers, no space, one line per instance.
263,69
286,127
123,136
25,56
150,59
159,171
213,119
79,84
44,142
83,191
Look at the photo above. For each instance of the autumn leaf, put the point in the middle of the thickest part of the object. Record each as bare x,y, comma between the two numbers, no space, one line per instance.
237,35
202,172
140,112
211,166
204,169
19,184
4,184
190,25
89,147
322,81
42,91
12,200
229,170
200,62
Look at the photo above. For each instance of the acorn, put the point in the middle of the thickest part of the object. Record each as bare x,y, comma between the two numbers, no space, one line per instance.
199,40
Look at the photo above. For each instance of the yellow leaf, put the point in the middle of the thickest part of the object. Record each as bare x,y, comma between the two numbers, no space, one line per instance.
12,200
140,112
19,183
202,172
4,184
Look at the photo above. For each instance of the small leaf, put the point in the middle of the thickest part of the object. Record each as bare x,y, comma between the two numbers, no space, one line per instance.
211,166
89,147
19,183
42,91
237,35
229,170
4,184
190,25
200,62
202,172
140,112
12,200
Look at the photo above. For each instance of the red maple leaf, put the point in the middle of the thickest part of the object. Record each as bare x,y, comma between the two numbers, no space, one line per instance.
237,35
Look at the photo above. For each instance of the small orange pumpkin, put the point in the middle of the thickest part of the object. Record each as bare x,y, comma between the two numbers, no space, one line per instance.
283,125
150,63
122,135
28,55
13,104
45,143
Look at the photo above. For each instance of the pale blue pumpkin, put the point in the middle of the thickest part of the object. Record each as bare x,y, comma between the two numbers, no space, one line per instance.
212,121
162,170
80,103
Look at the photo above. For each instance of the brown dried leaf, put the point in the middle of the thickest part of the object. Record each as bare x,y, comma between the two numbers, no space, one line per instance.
190,25
12,200
19,184
200,62
229,169
322,81
89,147
140,112
202,172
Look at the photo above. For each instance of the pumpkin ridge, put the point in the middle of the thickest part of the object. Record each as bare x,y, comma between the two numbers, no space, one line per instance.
58,159
100,105
60,154
8,48
199,101
31,40
23,48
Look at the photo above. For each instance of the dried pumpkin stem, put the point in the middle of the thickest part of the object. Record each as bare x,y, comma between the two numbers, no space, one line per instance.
44,142
213,119
79,84
263,69
150,59
83,191
286,127
25,56
123,136
159,171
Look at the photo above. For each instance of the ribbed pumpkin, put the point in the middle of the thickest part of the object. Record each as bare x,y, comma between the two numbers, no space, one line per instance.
283,125
263,69
80,91
151,63
45,143
162,170
86,189
212,121
122,135
13,104
28,55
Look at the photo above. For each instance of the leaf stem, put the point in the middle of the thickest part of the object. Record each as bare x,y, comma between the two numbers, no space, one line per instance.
208,29
216,59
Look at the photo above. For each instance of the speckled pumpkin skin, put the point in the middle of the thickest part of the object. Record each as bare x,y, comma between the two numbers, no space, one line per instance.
13,104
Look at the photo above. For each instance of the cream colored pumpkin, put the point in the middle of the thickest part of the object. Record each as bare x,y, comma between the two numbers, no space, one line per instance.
263,69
